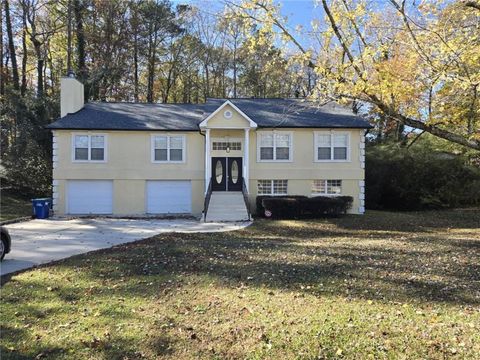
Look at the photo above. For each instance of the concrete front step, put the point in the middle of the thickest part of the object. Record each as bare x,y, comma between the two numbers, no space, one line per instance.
227,206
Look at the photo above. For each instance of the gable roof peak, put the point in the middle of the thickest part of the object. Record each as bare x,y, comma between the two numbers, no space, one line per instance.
204,123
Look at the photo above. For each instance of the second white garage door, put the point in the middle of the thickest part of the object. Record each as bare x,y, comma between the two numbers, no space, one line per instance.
172,196
89,196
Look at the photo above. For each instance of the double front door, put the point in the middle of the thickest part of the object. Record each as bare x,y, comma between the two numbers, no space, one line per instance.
227,174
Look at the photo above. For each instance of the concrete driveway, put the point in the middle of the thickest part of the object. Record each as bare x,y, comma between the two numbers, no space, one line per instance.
38,242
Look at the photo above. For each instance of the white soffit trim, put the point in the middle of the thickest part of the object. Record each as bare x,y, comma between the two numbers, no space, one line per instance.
204,123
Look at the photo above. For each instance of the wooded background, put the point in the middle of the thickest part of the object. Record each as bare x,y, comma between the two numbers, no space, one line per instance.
411,67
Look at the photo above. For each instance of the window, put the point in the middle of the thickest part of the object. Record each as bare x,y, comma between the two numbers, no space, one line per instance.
272,187
89,147
97,147
327,187
274,146
168,148
222,145
332,146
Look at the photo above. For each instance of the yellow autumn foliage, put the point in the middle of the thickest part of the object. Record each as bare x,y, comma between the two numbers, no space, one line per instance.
420,63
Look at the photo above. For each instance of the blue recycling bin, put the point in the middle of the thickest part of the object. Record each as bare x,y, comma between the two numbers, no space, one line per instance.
41,208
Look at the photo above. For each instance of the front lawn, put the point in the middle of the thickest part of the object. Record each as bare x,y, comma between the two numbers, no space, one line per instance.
385,285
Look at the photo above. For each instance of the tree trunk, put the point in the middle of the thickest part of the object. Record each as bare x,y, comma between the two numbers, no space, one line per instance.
38,53
135,64
472,117
11,46
80,35
207,82
49,64
151,68
69,37
2,75
23,88
235,70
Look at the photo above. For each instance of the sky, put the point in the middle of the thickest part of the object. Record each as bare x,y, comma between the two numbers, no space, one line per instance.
298,12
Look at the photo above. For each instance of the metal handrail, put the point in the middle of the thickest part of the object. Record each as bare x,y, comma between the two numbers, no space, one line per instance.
208,195
245,197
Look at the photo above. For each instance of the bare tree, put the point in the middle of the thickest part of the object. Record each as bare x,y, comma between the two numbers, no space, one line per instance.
11,46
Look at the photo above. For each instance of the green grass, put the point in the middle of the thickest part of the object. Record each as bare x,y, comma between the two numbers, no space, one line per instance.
381,286
13,206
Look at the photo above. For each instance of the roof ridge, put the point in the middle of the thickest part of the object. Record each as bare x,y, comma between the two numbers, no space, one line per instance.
255,98
140,103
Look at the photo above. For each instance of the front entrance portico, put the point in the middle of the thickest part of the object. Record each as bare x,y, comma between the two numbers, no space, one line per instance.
225,170
227,134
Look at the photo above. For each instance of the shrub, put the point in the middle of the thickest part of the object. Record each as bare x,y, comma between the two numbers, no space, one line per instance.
259,205
326,205
29,172
293,207
419,178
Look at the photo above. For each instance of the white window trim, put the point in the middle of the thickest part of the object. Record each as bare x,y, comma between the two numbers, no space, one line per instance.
274,132
272,187
168,161
90,134
331,133
224,139
326,187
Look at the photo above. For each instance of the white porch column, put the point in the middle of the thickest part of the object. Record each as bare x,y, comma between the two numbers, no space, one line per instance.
207,159
246,160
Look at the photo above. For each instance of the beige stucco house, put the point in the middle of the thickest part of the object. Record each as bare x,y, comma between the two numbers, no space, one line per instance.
141,159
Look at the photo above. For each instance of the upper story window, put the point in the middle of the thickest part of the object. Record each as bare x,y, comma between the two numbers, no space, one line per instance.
274,146
168,148
88,147
332,146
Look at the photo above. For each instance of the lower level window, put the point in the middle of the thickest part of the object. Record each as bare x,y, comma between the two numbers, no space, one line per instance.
272,187
327,187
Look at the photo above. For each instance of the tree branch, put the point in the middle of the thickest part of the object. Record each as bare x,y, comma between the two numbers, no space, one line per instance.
474,4
339,36
371,98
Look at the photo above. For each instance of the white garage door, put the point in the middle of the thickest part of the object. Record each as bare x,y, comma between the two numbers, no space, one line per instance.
90,196
165,197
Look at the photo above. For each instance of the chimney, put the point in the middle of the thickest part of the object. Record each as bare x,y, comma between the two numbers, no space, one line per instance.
71,95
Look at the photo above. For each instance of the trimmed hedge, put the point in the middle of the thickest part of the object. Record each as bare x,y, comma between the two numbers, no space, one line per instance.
260,198
295,207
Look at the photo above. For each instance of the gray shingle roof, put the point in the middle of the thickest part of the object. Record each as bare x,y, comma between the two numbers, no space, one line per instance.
281,113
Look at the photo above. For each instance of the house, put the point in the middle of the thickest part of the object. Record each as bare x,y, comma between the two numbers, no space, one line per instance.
140,159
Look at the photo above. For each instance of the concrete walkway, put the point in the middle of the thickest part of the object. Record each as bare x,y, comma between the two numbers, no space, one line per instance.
38,242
